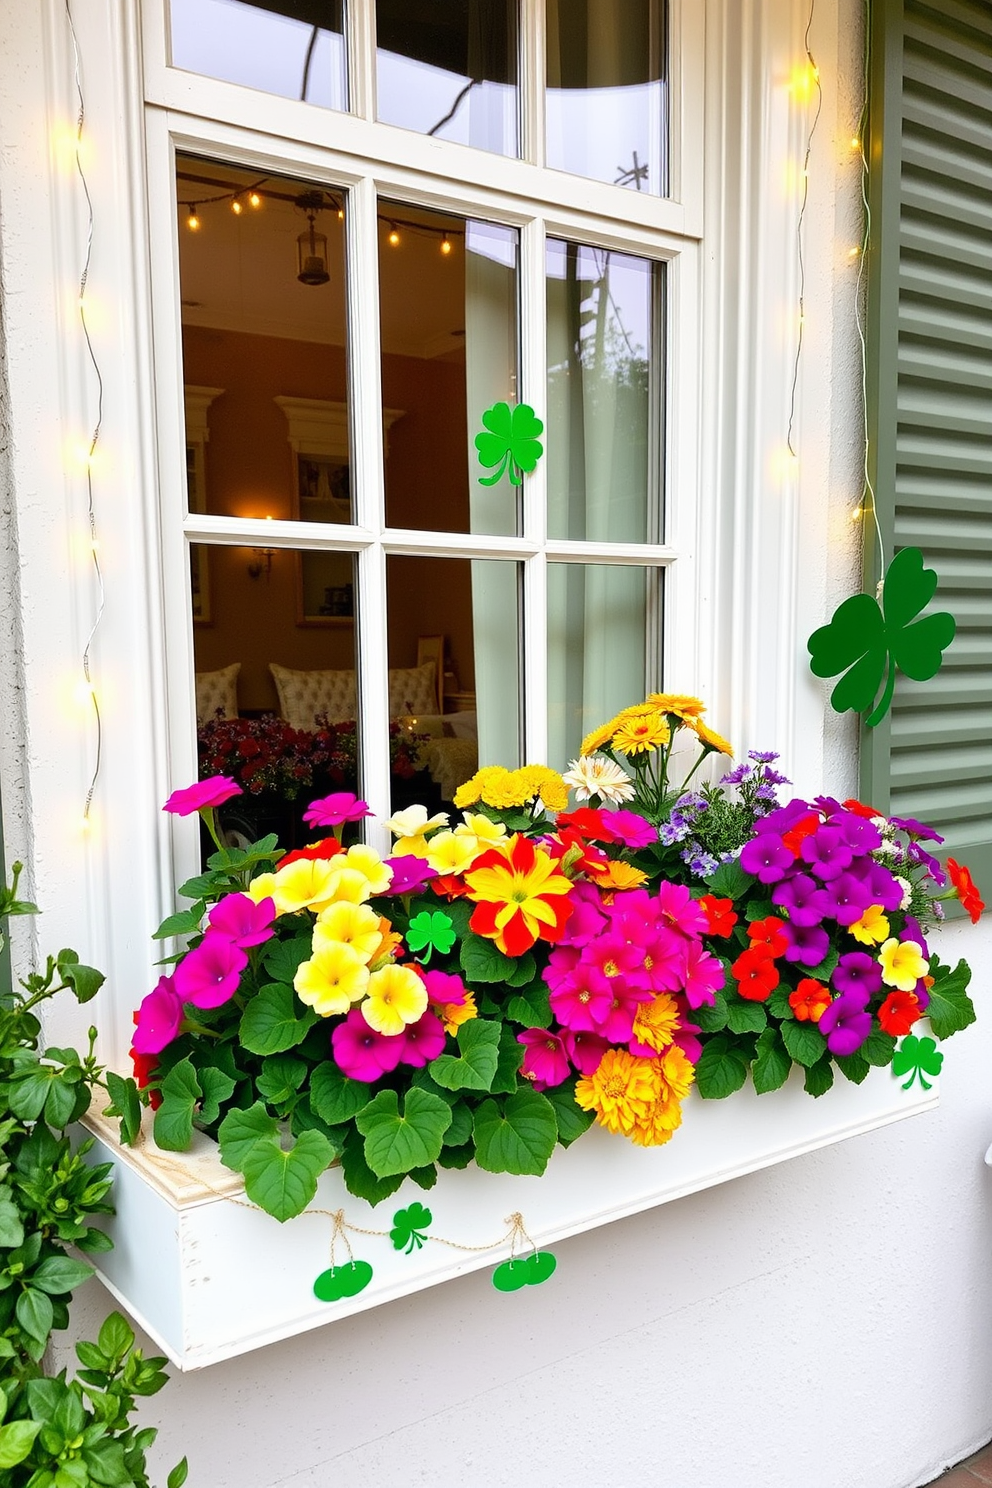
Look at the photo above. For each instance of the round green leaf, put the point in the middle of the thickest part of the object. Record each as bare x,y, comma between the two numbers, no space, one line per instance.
396,1142
516,1135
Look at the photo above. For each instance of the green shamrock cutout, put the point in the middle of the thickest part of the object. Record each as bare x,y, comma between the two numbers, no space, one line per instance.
408,1228
524,1271
431,930
511,442
342,1281
870,642
913,1057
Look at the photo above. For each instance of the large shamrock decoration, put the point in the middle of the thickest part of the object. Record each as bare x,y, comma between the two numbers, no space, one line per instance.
431,931
914,1057
511,442
409,1226
870,642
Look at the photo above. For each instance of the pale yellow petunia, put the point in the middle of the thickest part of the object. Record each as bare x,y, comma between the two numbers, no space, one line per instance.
903,964
332,980
355,925
396,996
449,853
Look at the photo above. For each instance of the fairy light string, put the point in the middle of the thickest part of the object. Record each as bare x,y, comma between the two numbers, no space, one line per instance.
867,505
94,438
812,72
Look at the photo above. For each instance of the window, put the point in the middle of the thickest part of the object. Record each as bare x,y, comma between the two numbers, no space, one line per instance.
352,316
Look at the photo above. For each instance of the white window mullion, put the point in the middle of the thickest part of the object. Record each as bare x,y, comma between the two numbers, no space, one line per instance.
359,28
533,390
532,79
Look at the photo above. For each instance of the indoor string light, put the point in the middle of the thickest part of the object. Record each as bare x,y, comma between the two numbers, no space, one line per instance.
807,80
94,439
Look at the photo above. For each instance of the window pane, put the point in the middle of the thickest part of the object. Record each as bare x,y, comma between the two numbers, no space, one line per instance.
295,49
467,612
607,91
275,696
603,395
264,354
597,651
450,71
448,318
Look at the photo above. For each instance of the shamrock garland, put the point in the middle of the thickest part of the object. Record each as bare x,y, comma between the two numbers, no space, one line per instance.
914,1057
511,442
869,642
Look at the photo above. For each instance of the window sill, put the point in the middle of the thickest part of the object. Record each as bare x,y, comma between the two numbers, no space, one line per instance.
209,1278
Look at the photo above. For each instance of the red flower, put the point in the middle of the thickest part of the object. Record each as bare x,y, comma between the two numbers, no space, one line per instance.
145,1066
449,885
804,828
810,1000
860,809
587,822
325,848
720,916
898,1013
756,974
971,900
769,933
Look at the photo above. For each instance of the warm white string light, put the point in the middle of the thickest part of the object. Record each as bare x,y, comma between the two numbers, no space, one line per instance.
811,74
97,427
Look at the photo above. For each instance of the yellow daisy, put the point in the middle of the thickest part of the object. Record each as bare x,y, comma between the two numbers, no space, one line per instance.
637,735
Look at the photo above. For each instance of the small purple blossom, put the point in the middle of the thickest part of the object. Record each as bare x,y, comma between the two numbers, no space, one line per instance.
858,974
846,1023
860,834
807,944
827,853
766,856
699,861
736,776
763,756
669,834
915,829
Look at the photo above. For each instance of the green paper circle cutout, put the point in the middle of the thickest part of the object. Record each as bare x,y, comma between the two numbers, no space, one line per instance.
342,1281
540,1265
511,1276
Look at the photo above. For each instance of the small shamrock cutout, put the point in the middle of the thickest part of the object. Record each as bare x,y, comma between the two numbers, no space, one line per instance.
431,930
511,442
871,642
913,1057
408,1229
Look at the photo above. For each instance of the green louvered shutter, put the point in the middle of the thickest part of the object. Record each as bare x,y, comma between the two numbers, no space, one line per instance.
930,398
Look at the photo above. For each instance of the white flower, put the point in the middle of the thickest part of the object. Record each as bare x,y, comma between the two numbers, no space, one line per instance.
592,776
907,890
888,849
414,822
881,822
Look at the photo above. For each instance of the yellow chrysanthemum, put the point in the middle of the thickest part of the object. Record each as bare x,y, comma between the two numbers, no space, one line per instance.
678,703
621,1092
333,979
308,883
449,853
637,735
903,964
349,924
472,791
396,996
503,791
656,1022
674,1075
709,738
872,928
454,1014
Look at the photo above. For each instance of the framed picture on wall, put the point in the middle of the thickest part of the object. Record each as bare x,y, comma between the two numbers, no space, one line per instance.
325,581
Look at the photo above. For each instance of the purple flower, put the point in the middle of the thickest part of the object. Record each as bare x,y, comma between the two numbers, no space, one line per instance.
202,796
915,829
919,858
736,776
362,1053
763,756
826,852
849,898
882,886
409,875
766,856
422,1041
845,1023
826,805
859,833
545,1060
857,975
244,922
786,816
922,993
158,1019
585,1050
698,860
807,944
765,793
692,801
669,834
334,810
630,829
911,931
210,975
772,777
804,898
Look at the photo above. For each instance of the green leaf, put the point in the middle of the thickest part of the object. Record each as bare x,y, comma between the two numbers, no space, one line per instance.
572,1120
522,971
185,922
853,1067
174,1117
280,1078
744,1016
878,1048
359,1177
712,1019
115,1337
804,1042
722,1069
730,881
511,1057
105,1463
274,1021
517,1135
951,1009
178,1475
460,1130
335,1098
27,1096
482,961
11,1224
16,1441
396,1142
241,1131
475,1064
819,1076
531,1007
59,1274
283,958
772,1064
457,1157
35,1313
85,981
826,968
778,1004
283,1181
127,1104
217,1088
60,1103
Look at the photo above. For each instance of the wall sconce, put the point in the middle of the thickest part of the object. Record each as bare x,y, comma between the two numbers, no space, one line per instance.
262,561
311,246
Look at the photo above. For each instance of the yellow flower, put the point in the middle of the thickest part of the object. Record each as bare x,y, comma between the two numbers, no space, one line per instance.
622,1092
262,887
502,789
636,735
674,1075
355,876
903,964
872,928
454,1014
349,924
656,1022
541,780
474,824
618,875
683,707
410,828
350,886
709,738
306,883
397,996
471,791
449,853
333,979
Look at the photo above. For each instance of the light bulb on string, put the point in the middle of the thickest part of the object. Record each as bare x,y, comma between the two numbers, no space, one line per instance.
192,220
254,200
445,244
236,206
394,236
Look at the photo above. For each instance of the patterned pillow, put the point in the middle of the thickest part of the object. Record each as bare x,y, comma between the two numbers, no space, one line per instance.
413,690
306,696
217,694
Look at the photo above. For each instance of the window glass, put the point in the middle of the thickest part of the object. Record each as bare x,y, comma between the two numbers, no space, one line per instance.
607,92
597,652
295,49
450,70
603,398
448,320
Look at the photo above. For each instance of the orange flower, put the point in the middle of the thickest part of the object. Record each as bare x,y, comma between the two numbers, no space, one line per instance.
769,933
519,896
756,973
616,875
450,885
967,890
805,827
810,1000
720,916
899,1012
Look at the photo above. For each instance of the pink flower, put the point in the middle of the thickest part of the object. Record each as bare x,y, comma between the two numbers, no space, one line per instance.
363,1054
585,1050
561,963
587,919
618,1026
704,975
685,1036
158,1019
663,952
336,809
202,796
679,910
211,974
443,988
582,1001
629,828
409,874
423,1040
242,921
545,1060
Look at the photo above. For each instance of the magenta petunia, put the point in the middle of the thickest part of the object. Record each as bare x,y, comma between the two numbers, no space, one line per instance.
766,856
202,796
704,975
849,896
582,1000
444,988
629,828
807,902
545,1060
361,1053
846,1023
678,910
210,974
409,875
585,1050
618,1025
422,1041
561,963
685,1035
158,1019
587,919
826,852
334,810
857,975
244,922
807,945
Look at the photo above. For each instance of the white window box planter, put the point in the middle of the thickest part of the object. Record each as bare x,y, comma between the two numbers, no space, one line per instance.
208,1278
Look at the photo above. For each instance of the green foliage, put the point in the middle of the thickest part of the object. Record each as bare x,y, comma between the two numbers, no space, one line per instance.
395,1140
515,1135
950,1009
722,1068
474,1067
